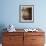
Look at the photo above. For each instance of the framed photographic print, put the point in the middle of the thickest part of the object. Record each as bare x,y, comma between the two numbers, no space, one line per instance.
26,13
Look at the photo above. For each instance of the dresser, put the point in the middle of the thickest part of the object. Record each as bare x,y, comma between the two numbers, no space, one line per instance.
34,39
23,39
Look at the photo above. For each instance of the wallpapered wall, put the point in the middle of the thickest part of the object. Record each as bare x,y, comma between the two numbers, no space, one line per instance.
9,13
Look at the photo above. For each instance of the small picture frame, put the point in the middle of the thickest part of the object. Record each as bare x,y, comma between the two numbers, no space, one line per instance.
26,13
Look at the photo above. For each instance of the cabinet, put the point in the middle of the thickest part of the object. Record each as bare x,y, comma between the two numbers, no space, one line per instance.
23,39
13,39
34,39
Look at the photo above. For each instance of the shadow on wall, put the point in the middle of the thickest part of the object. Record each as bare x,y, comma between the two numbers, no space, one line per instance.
2,26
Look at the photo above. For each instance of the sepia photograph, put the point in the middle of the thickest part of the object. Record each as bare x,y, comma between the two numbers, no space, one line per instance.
26,13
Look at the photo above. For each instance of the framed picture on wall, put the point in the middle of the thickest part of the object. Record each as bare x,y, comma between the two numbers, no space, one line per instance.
26,13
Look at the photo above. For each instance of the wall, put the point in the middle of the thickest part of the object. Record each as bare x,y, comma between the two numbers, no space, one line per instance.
9,13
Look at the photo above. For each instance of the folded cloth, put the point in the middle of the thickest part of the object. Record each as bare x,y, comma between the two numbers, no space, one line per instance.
11,28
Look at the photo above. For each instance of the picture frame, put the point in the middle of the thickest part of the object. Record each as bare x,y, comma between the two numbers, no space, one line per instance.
26,13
